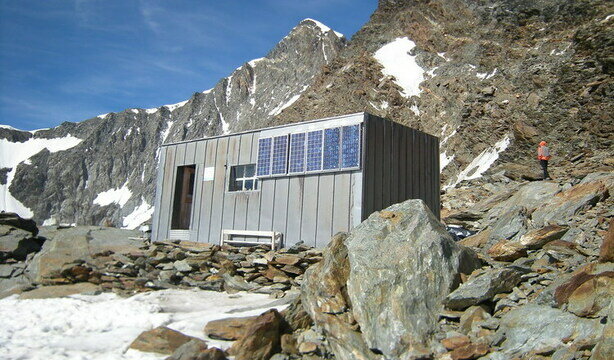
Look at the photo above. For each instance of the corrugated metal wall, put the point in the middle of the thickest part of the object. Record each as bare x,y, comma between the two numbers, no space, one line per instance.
309,208
400,163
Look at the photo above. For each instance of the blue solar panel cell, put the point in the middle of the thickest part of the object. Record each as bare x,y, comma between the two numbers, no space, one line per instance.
350,157
264,157
314,150
280,155
297,153
331,149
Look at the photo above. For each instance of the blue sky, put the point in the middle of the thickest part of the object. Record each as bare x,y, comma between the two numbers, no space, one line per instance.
70,60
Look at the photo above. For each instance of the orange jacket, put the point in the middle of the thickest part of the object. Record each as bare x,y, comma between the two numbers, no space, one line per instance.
543,153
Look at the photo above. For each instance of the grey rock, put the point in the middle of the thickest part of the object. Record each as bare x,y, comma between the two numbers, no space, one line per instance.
6,270
395,296
511,224
484,287
182,265
534,327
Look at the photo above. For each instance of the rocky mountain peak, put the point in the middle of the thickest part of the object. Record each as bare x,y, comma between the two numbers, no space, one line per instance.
109,176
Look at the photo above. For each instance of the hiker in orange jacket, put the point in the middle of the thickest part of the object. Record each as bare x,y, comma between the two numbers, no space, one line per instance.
543,155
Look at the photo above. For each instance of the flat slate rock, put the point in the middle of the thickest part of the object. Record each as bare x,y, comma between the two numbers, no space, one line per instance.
57,291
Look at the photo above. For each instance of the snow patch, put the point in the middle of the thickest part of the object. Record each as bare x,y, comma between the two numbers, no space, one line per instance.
279,108
324,28
481,163
139,215
486,76
443,56
119,196
173,107
151,111
207,91
384,105
609,17
253,63
444,160
415,110
8,127
431,72
97,327
396,59
13,153
136,111
166,131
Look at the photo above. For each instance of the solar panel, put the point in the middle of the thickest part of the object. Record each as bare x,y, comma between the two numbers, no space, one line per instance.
314,150
297,153
280,155
264,157
350,152
331,149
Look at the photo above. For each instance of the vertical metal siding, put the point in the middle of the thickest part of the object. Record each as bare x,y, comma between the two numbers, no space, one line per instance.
219,184
199,160
295,209
168,185
310,209
155,225
205,202
341,205
229,199
324,220
253,202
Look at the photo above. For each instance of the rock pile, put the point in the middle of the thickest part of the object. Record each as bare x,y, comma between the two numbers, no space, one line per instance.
182,264
115,260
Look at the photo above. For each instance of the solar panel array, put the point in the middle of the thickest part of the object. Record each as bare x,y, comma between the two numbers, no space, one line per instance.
351,146
314,150
331,148
297,153
319,150
280,155
264,157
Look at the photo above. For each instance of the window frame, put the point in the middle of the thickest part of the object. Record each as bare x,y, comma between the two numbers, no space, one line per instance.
243,179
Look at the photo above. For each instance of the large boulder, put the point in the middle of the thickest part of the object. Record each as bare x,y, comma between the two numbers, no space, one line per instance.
400,265
228,328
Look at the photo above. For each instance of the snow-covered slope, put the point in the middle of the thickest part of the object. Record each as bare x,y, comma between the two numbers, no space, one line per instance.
101,327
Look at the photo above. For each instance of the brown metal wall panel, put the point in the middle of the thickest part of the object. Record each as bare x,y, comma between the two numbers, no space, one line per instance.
155,225
341,204
253,201
219,187
369,152
295,210
324,221
310,210
402,150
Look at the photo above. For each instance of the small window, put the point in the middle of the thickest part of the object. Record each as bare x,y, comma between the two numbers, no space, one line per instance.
243,178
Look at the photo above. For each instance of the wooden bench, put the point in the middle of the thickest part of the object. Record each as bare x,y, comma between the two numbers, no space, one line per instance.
275,236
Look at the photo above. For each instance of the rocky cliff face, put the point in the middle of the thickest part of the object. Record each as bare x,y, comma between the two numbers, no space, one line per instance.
107,175
491,78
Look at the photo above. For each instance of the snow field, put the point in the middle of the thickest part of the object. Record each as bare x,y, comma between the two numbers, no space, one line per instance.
396,59
100,327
